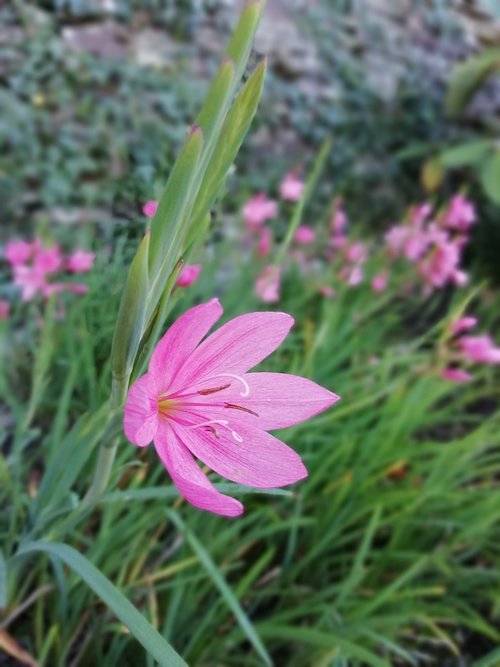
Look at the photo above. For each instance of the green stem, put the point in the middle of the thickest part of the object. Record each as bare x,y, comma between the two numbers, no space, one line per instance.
107,452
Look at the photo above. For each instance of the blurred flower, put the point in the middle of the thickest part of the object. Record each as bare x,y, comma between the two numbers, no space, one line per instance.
305,235
258,210
357,252
379,282
456,375
267,285
150,207
326,291
339,219
460,215
76,288
47,260
17,252
480,349
198,401
80,261
420,213
188,275
264,244
291,187
463,324
4,309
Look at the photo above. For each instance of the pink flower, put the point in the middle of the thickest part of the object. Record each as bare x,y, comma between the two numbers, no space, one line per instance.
198,401
357,252
150,207
258,210
379,282
420,213
267,285
264,244
463,324
305,235
456,375
339,219
76,288
480,349
80,261
395,238
4,309
18,252
291,187
188,275
47,260
31,281
461,214
327,291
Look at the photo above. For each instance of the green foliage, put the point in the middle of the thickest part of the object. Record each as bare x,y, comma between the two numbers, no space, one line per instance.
468,77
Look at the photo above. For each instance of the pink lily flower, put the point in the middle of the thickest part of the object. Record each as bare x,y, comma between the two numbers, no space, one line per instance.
31,281
463,324
198,400
4,309
481,349
305,235
461,214
47,260
150,207
80,261
188,275
258,210
267,285
18,252
456,375
291,187
379,282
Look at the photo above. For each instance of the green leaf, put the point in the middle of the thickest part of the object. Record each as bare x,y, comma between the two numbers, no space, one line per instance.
241,41
235,128
142,630
219,581
3,582
467,78
490,177
131,318
432,174
466,154
166,226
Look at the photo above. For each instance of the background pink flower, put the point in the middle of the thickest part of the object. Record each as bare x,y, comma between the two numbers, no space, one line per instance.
291,187
258,210
267,285
18,252
80,261
4,309
305,235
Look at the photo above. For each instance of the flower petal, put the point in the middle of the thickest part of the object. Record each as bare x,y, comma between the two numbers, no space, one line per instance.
189,478
140,421
180,340
236,347
278,400
259,460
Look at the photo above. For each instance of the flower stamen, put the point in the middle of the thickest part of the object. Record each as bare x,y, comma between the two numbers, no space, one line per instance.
246,391
235,406
222,422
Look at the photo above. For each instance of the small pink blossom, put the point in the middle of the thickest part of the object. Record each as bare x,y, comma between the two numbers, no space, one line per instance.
357,252
258,210
31,281
379,282
480,349
461,214
4,309
456,375
18,252
463,324
305,235
150,207
198,401
327,291
420,213
47,260
188,275
351,275
291,187
80,261
267,285
264,244
339,219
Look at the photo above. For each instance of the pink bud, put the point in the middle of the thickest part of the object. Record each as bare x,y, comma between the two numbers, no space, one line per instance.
305,235
291,187
267,285
80,261
189,275
150,207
